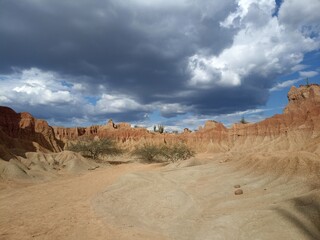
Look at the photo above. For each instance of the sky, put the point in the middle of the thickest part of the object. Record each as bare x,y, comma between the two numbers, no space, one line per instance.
176,63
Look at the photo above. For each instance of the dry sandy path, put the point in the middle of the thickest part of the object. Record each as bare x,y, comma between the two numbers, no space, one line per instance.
60,209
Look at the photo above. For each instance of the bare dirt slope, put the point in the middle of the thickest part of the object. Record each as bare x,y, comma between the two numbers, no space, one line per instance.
195,200
59,209
38,166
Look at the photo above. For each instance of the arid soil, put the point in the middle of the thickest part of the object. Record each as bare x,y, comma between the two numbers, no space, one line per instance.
59,209
190,200
199,201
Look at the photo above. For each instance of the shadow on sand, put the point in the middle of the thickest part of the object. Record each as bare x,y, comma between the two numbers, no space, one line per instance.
305,215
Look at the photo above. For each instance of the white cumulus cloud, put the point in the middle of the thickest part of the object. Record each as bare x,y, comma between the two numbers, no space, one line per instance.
34,86
307,74
116,103
284,84
262,46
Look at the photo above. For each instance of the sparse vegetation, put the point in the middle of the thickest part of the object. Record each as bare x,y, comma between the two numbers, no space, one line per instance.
243,121
95,148
176,152
307,82
163,153
160,128
148,153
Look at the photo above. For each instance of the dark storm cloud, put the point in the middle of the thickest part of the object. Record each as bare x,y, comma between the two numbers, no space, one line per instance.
122,45
70,114
141,49
216,101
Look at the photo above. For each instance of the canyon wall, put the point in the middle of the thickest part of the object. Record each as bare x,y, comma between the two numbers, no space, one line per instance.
21,132
298,128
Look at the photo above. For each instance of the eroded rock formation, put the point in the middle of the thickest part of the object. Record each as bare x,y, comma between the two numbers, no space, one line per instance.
299,124
297,128
21,132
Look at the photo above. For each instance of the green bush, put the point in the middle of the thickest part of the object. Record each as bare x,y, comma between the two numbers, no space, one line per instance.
95,148
163,153
176,152
148,153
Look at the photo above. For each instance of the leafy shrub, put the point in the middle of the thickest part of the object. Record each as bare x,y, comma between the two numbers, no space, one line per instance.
95,148
176,152
148,153
163,153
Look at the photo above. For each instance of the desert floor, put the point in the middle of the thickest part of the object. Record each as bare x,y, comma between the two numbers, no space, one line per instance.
191,200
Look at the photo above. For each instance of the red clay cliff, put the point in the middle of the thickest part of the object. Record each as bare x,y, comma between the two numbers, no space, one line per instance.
298,126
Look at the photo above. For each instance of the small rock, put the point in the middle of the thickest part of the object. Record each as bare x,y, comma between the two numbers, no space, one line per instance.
238,192
237,186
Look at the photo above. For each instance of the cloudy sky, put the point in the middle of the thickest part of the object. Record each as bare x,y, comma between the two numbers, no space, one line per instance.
178,63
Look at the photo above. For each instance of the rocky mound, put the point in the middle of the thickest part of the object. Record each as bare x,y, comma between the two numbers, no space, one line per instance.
29,148
44,165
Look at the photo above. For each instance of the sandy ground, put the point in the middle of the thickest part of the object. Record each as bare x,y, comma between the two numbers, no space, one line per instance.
59,209
190,201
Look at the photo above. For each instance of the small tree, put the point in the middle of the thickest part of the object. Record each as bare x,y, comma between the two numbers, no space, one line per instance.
95,148
160,128
243,121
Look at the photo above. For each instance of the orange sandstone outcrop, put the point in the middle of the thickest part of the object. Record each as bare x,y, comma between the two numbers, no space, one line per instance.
297,128
299,124
22,132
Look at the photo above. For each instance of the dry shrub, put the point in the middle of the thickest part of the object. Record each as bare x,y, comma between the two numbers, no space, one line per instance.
163,153
95,148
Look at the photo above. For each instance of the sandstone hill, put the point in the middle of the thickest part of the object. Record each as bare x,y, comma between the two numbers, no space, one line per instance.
24,130
296,130
29,148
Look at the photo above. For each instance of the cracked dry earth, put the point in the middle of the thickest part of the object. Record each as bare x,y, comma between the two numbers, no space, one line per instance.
191,200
